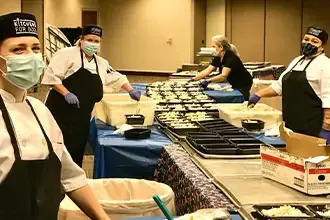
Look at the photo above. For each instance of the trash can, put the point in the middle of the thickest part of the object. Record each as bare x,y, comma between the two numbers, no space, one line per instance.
123,198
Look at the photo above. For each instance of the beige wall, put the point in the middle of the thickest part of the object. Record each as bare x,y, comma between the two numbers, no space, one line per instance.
8,6
36,8
67,13
272,30
215,19
136,33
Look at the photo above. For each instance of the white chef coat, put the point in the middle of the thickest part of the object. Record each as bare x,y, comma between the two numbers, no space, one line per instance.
67,61
318,76
31,141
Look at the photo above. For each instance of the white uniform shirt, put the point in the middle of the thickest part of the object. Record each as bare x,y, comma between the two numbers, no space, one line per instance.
318,76
31,141
67,61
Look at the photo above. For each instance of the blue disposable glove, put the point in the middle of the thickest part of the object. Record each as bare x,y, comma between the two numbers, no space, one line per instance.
325,134
72,99
204,83
254,99
135,94
191,80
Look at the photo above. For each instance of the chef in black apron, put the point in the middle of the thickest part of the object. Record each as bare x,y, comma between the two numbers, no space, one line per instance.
230,66
77,75
35,166
305,88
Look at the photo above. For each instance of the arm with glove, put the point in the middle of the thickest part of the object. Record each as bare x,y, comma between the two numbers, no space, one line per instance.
325,131
220,78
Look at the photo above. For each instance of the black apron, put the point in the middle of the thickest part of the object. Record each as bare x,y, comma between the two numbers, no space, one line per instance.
74,121
301,106
32,188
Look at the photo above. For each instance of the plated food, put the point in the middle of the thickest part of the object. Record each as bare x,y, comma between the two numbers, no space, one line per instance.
283,211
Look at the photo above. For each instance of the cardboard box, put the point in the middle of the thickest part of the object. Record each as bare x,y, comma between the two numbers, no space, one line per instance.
304,165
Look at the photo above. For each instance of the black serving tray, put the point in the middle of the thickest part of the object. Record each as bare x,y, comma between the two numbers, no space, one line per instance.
259,208
202,136
218,151
228,131
183,131
249,151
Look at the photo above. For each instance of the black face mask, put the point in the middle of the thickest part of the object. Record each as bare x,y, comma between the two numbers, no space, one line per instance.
308,49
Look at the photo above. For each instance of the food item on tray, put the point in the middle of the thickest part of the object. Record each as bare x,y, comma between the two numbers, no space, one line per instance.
324,213
285,210
243,107
207,214
201,97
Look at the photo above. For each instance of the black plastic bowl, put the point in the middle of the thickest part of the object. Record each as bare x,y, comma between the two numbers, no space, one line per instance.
137,133
134,119
253,124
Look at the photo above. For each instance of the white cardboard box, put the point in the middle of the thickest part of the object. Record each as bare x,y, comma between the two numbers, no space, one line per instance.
308,174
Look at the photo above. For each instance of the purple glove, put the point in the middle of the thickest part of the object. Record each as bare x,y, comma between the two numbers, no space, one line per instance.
325,134
204,83
254,99
72,99
191,80
135,94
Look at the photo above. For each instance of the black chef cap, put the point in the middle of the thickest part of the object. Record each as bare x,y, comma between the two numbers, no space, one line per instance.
18,25
319,33
92,29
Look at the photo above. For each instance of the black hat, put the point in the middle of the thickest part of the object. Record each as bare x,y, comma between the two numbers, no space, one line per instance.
92,29
18,25
319,33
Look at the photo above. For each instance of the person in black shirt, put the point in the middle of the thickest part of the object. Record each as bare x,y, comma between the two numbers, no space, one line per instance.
231,66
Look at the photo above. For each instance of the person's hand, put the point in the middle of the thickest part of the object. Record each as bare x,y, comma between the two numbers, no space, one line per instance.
191,80
325,134
204,83
72,99
135,94
253,100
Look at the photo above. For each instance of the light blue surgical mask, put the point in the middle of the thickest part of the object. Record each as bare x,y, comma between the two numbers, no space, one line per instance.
24,70
90,48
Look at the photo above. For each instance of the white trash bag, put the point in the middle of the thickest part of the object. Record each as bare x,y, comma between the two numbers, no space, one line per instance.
123,198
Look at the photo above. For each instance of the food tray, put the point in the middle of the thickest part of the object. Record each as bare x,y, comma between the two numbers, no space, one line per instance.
183,131
259,209
246,143
248,151
320,208
218,150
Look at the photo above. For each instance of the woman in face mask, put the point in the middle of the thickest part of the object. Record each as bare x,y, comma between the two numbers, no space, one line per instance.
305,88
230,66
77,75
34,163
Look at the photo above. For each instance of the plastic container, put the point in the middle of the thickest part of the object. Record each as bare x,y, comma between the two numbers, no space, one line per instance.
233,113
123,198
116,106
134,119
137,133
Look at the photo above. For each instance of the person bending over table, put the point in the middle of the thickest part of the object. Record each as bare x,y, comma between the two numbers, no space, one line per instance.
231,66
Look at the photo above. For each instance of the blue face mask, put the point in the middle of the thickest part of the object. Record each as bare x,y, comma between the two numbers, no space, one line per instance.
90,48
24,71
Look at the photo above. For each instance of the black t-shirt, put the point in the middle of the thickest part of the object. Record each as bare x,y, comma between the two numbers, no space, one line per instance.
238,77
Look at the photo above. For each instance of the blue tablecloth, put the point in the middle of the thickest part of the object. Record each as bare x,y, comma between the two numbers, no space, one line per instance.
233,217
115,156
220,96
275,141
